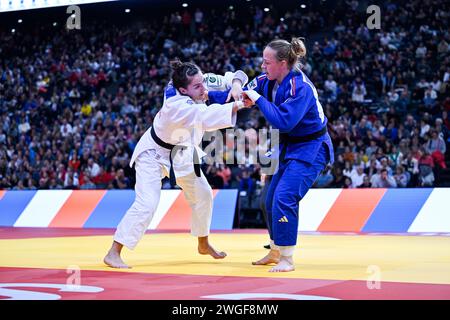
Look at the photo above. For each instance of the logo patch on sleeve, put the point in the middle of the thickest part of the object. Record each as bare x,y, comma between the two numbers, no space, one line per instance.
253,84
212,81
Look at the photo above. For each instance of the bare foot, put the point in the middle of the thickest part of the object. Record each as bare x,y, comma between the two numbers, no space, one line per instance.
207,249
272,257
286,264
114,260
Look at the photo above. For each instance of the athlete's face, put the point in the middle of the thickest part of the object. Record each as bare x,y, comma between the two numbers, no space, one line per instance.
271,66
195,89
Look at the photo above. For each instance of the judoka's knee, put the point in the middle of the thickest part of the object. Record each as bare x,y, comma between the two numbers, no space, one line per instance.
288,199
205,187
204,193
205,201
145,205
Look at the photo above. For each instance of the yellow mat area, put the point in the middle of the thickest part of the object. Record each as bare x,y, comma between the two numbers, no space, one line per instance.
417,259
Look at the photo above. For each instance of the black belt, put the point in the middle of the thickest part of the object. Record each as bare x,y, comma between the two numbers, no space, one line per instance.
173,151
285,139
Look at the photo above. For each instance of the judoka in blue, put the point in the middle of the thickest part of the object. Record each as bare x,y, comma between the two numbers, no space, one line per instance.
290,103
295,112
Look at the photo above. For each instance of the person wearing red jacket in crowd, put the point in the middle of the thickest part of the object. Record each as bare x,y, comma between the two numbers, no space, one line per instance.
74,163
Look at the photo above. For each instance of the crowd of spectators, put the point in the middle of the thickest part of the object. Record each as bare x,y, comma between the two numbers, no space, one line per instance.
74,103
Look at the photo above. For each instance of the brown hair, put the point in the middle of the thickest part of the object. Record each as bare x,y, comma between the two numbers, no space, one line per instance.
289,51
181,73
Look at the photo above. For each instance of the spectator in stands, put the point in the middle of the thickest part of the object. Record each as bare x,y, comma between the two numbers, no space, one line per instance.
214,179
224,172
366,183
436,144
383,180
120,181
247,184
426,165
348,184
400,177
357,176
75,105
87,184
94,168
339,178
325,179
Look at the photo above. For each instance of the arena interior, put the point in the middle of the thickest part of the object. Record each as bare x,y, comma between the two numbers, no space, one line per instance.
79,87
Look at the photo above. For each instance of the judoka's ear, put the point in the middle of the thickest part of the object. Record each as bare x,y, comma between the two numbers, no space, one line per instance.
183,91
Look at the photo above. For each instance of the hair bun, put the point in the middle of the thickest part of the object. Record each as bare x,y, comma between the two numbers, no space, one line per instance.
176,64
298,47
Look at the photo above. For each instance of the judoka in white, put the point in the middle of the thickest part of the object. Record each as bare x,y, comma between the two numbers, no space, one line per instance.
182,120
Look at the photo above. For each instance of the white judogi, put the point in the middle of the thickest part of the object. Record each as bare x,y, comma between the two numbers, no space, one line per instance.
180,121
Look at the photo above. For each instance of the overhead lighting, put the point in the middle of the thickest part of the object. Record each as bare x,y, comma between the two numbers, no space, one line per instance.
18,5
127,10
13,30
281,19
231,7
303,6
19,21
55,24
266,9
184,5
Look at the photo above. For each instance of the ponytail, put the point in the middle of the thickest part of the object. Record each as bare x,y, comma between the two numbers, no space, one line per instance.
292,51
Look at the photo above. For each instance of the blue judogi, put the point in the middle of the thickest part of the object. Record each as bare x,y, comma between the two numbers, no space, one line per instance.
296,112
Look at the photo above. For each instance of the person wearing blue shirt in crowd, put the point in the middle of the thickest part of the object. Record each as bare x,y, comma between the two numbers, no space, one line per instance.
290,103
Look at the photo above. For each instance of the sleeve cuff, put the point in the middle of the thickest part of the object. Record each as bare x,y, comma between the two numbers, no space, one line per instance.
241,76
252,94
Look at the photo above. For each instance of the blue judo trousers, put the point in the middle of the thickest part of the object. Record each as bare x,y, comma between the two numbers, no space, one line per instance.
305,147
288,186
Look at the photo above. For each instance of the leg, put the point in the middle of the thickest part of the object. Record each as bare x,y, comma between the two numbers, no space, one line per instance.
298,178
199,195
113,258
137,219
205,248
262,204
274,254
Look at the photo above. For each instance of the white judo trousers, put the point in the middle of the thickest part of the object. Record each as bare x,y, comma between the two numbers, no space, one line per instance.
149,172
178,115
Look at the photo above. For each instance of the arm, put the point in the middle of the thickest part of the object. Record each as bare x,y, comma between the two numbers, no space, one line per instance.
222,88
225,96
234,91
288,114
255,84
215,82
218,96
231,78
216,116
